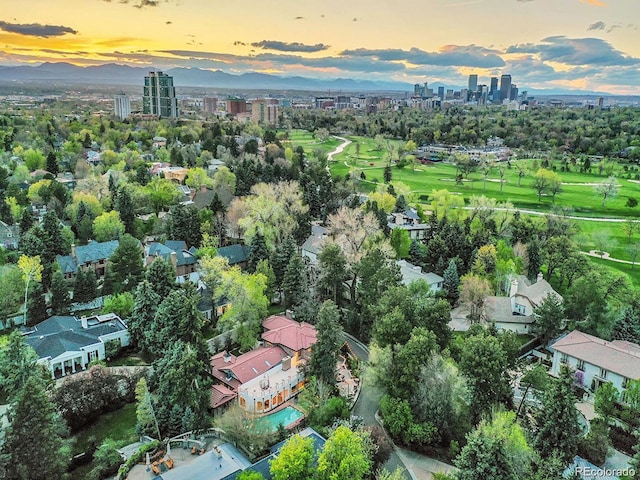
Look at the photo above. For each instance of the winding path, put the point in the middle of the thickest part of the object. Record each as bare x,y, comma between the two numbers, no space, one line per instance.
606,256
339,149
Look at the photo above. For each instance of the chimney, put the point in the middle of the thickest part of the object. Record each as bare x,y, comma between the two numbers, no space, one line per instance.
286,363
227,357
540,277
73,251
514,287
203,188
174,259
84,322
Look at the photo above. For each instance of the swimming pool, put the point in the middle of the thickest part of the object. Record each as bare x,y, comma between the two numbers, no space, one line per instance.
286,417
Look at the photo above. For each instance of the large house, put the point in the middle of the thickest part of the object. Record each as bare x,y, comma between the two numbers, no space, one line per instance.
409,221
515,312
313,245
412,273
597,361
9,236
92,255
68,344
267,377
174,251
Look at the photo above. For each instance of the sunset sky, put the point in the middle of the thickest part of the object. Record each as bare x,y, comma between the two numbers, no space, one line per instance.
582,44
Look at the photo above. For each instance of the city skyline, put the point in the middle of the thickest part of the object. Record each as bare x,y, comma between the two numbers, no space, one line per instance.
569,44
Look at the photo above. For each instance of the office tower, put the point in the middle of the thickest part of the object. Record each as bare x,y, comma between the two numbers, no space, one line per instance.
210,104
236,106
473,83
122,106
417,90
265,111
600,102
505,87
514,92
494,85
441,93
159,95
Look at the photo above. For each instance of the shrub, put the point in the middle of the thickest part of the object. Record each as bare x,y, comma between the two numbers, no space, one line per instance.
137,458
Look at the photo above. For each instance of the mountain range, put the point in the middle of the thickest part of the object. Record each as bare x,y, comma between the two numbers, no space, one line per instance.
114,74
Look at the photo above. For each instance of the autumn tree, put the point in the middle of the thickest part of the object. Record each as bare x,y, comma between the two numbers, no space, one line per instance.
31,268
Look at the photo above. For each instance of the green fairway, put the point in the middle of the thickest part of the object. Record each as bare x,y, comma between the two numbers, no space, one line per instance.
307,141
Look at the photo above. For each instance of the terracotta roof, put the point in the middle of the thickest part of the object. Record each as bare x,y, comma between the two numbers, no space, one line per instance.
289,333
221,395
247,366
618,356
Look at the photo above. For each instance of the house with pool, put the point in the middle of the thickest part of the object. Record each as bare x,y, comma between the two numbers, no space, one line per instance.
265,378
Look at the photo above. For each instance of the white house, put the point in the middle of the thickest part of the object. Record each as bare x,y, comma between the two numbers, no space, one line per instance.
515,312
597,361
68,344
411,273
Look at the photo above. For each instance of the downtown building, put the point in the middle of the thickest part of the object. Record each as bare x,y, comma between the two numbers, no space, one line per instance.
159,96
122,106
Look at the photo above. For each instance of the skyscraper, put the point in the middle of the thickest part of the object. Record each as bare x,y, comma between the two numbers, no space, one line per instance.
505,87
159,95
494,85
210,104
441,93
122,106
473,83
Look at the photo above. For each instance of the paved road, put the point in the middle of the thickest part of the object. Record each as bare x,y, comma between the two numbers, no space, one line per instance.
367,403
339,149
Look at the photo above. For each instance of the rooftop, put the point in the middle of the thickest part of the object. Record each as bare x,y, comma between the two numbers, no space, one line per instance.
289,333
235,253
247,366
411,273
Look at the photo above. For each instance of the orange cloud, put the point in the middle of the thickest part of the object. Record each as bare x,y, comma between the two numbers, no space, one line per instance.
595,3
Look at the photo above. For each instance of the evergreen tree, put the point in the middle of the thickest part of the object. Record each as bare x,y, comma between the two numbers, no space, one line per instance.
79,287
91,284
259,251
108,280
549,317
294,283
33,447
451,282
534,254
126,264
52,164
36,305
144,311
184,224
333,271
60,300
627,326
324,355
52,238
559,431
401,204
280,259
386,175
126,210
484,457
26,221
162,277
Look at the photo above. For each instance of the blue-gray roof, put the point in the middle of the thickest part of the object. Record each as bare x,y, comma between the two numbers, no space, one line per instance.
63,333
235,253
92,252
183,256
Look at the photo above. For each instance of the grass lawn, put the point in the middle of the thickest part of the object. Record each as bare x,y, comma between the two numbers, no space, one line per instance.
128,360
633,274
309,143
119,426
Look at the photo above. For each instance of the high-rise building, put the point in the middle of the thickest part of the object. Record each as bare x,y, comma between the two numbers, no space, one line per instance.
514,92
473,83
210,104
122,106
265,111
494,85
441,93
159,95
505,87
236,106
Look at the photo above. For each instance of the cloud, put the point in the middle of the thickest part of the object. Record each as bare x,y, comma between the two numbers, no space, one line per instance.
298,18
289,47
597,26
595,3
238,42
467,56
139,3
36,29
575,51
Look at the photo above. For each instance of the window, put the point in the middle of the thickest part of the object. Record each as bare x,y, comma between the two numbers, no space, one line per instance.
259,406
625,382
266,404
520,309
93,356
603,373
564,358
581,365
243,402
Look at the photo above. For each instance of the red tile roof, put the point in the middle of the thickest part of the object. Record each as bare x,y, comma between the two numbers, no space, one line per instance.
289,333
221,395
247,366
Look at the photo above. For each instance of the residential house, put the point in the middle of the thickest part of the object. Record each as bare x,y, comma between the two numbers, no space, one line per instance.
597,361
68,344
411,273
515,312
92,255
409,221
175,251
267,377
235,254
313,245
176,174
9,236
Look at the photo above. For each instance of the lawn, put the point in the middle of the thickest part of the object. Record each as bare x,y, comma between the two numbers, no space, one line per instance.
119,426
307,141
632,273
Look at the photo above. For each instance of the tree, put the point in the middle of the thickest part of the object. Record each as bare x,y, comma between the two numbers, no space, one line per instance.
344,456
474,290
258,252
400,241
122,304
387,175
52,164
627,326
31,268
550,317
451,283
37,305
126,210
546,181
162,193
294,460
125,264
144,310
184,224
18,362
294,283
605,401
559,430
333,271
146,423
484,364
161,276
608,189
60,299
33,422
325,352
